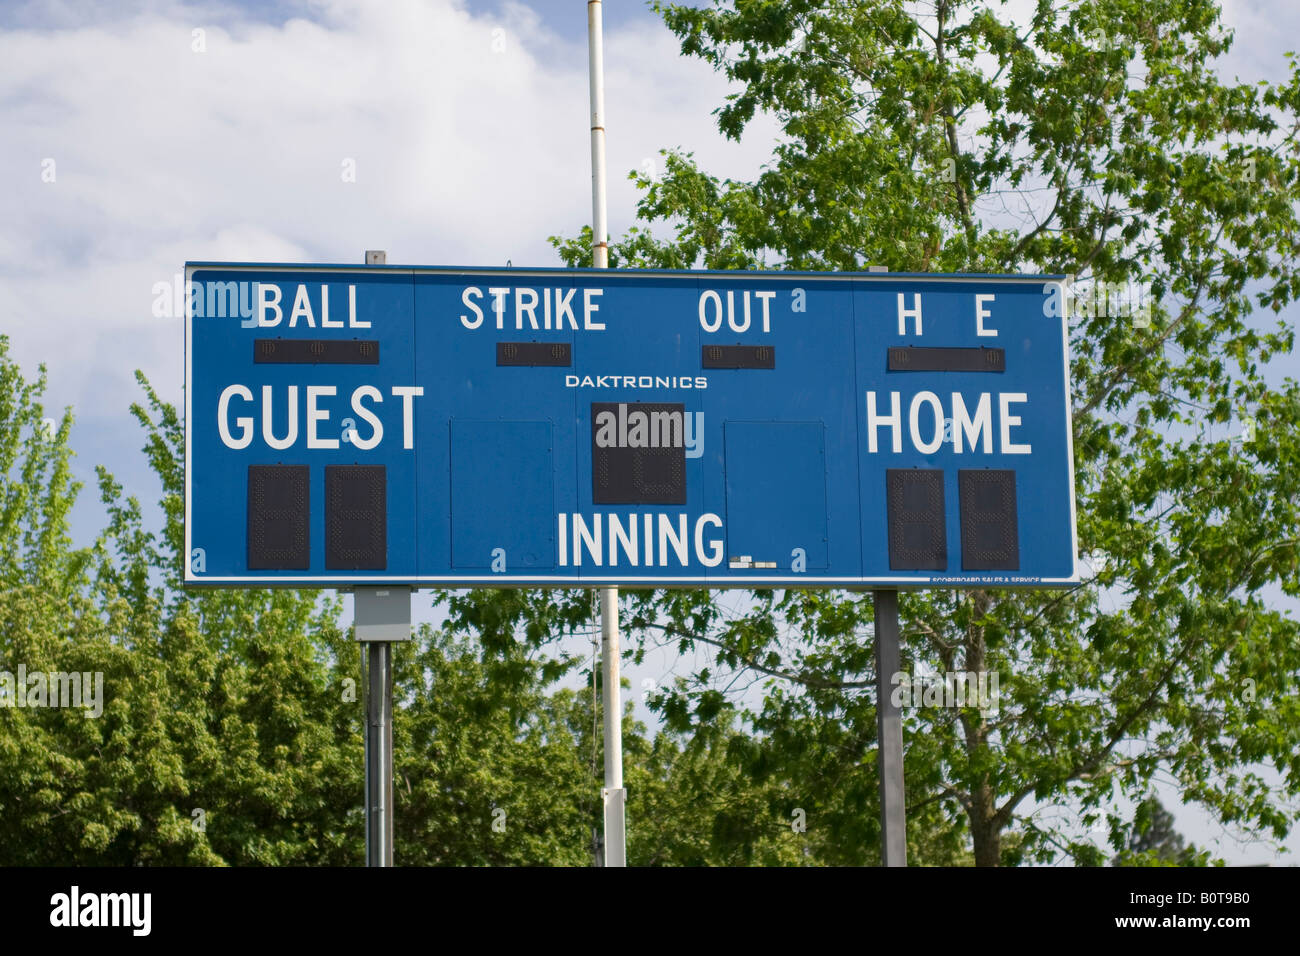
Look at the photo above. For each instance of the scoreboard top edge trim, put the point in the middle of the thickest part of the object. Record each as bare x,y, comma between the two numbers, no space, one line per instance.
194,266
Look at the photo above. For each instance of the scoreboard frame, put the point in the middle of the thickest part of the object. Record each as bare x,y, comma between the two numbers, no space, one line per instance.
911,355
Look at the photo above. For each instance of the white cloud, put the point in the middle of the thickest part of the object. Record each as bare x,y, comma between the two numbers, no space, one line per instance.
463,154
1263,30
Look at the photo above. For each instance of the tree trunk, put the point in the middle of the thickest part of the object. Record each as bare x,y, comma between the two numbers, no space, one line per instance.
985,829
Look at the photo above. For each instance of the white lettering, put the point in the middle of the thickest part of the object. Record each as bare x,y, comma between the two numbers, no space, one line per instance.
325,322
268,432
981,314
1005,399
677,539
714,557
765,298
708,295
529,305
408,393
913,414
244,424
264,303
590,308
617,535
962,424
913,313
472,306
894,420
301,306
564,306
377,428
499,304
731,313
582,534
315,415
674,540
352,310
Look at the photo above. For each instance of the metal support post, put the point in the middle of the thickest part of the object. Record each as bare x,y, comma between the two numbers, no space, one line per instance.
379,754
889,731
613,794
382,616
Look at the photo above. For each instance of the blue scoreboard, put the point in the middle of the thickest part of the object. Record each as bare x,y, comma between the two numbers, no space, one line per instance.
456,427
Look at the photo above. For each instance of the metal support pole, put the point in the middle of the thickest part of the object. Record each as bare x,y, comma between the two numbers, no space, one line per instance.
382,617
596,71
889,733
613,794
379,754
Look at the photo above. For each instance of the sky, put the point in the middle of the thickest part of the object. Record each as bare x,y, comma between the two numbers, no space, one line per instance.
141,134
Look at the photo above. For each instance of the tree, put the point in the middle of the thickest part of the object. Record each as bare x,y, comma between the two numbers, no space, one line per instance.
1097,141
1152,839
231,721
220,738
688,803
489,769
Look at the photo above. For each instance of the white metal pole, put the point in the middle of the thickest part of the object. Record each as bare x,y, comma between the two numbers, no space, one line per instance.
596,63
889,730
612,797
